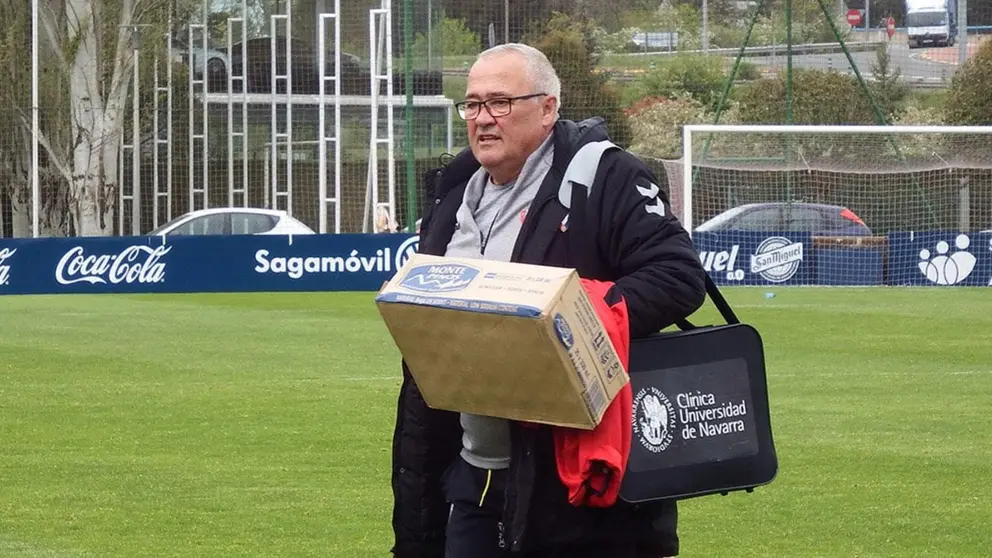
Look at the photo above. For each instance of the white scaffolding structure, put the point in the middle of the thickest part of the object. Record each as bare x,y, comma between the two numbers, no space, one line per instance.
200,136
322,137
381,31
237,128
131,191
280,189
162,191
208,105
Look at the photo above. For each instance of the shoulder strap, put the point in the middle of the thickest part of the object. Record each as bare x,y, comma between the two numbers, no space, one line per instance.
576,184
721,304
574,192
582,169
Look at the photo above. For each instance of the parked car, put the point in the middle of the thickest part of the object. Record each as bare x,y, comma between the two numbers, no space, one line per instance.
816,218
354,74
232,221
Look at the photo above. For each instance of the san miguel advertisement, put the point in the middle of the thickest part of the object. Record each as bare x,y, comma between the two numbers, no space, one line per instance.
746,258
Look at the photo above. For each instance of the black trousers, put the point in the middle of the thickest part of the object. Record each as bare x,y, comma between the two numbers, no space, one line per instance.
475,529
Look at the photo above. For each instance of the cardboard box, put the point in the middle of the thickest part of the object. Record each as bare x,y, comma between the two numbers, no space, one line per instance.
502,339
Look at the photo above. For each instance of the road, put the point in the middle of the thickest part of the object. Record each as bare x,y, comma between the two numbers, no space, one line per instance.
916,65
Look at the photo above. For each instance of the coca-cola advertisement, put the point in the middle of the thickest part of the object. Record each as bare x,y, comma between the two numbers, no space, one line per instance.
6,255
134,264
186,264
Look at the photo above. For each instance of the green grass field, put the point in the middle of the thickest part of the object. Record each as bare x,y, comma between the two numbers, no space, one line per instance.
259,425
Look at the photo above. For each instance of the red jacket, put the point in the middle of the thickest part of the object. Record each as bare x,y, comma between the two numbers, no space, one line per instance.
591,463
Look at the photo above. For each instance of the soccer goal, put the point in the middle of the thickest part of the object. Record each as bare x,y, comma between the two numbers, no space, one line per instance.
838,205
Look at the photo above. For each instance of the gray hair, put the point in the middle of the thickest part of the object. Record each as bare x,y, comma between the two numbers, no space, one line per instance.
539,68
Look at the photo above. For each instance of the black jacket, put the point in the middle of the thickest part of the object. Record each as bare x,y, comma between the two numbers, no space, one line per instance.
655,267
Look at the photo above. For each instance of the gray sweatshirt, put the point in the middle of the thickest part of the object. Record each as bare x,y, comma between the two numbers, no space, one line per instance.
489,221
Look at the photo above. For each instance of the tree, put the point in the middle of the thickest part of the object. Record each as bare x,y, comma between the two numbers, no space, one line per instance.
819,97
568,44
887,88
91,48
15,125
968,100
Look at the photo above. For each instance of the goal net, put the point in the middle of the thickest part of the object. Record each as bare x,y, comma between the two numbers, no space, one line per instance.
837,205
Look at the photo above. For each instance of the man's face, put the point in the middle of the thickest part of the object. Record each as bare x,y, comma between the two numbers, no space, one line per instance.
503,143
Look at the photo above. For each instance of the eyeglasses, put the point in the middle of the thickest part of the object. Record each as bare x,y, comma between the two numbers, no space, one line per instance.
500,106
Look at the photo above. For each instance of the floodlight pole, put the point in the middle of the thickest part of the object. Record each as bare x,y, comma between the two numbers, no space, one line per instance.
35,185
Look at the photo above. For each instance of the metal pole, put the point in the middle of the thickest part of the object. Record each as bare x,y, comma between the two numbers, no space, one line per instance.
205,114
35,186
788,63
337,116
706,27
231,134
788,97
190,108
391,102
168,127
322,120
506,21
867,20
372,177
687,177
244,102
411,172
135,144
964,206
962,31
289,106
156,140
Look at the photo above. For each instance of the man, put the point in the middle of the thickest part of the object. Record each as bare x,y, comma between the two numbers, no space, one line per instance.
470,486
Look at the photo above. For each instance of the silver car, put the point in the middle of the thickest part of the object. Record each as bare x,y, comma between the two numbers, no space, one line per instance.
233,221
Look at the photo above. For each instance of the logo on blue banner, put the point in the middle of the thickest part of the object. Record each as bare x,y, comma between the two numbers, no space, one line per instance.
210,263
5,254
134,264
942,259
754,258
439,278
777,259
408,248
723,261
296,267
946,267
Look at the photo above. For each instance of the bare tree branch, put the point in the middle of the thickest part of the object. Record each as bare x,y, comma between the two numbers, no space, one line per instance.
55,158
48,22
121,61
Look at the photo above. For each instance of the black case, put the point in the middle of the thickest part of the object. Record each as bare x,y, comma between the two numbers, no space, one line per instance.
701,421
